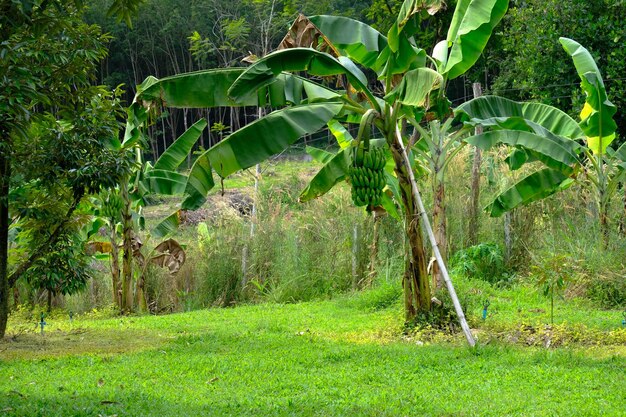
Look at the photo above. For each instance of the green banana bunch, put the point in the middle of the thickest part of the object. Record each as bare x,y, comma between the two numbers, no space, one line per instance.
112,206
367,176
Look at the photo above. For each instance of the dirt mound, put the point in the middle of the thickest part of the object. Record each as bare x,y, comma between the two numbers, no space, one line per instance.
233,202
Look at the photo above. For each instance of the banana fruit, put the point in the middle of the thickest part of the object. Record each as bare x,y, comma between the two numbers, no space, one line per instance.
367,176
112,206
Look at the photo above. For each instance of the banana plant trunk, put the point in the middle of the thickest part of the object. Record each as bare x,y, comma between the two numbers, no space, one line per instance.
373,250
475,193
417,297
604,219
141,302
440,226
115,267
622,224
415,212
127,260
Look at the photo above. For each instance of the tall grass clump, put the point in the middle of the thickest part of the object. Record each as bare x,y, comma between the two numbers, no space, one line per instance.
305,251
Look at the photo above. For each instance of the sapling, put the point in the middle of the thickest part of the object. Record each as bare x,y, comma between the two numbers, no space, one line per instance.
553,274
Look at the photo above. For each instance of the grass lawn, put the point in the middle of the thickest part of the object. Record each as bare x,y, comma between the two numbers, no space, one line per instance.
325,358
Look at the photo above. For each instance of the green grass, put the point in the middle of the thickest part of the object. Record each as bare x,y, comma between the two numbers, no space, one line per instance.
325,358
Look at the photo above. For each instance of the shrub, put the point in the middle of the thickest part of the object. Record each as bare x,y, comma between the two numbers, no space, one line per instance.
484,261
609,291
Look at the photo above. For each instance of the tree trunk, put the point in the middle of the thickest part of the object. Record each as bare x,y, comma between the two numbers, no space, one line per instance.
604,225
127,260
115,267
508,242
49,301
355,256
622,223
440,227
5,176
373,250
140,294
475,193
414,211
603,213
415,281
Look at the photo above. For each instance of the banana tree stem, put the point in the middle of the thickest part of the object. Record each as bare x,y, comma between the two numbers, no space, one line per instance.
442,266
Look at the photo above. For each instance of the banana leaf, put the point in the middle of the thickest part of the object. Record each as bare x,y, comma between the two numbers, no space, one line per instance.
199,183
255,143
534,187
264,71
498,111
393,187
168,225
319,155
390,206
597,114
415,87
556,152
177,152
164,182
343,136
471,27
356,40
208,88
334,171
405,24
620,153
406,57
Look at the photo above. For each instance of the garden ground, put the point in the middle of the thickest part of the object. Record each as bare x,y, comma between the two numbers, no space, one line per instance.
341,357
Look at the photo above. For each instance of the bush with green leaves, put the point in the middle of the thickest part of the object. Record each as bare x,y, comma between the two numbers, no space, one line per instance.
609,290
483,261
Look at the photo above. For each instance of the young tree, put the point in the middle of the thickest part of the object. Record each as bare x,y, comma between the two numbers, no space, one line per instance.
49,59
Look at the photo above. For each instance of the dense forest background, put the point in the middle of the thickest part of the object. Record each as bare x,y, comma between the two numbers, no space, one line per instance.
522,61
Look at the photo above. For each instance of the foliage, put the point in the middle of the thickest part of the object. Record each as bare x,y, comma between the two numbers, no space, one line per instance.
543,133
530,64
54,126
483,261
609,290
65,269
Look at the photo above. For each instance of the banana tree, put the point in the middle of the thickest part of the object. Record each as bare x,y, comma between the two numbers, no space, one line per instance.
335,48
556,136
126,203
